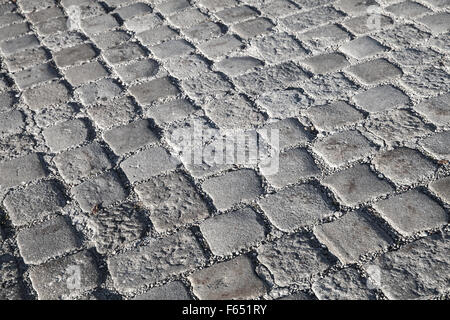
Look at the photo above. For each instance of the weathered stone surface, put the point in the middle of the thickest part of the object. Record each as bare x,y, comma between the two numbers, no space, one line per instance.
170,111
404,166
438,145
343,148
99,91
34,202
436,109
130,137
154,90
381,98
346,284
46,95
296,207
34,75
82,162
112,113
102,190
293,259
149,163
418,270
74,55
47,240
334,115
168,256
290,131
375,71
239,185
230,232
21,170
442,188
66,134
352,236
357,184
326,63
87,72
411,212
233,279
174,290
138,70
172,201
57,280
362,47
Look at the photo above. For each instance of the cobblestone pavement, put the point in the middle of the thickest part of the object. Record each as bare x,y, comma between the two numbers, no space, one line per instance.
97,202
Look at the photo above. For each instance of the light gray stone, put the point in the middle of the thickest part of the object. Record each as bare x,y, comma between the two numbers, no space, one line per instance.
66,134
174,290
21,170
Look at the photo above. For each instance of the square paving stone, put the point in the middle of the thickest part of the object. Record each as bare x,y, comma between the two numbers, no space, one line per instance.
233,187
52,26
294,164
130,137
25,59
333,115
14,30
325,63
375,71
57,279
352,236
101,90
237,65
46,95
124,52
407,9
165,197
411,212
437,23
321,37
235,14
110,39
216,5
74,55
404,166
293,259
362,47
290,132
47,240
156,35
172,6
436,109
252,28
278,47
231,232
97,24
441,187
102,190
203,31
133,10
381,98
220,46
85,73
172,48
233,279
171,111
21,170
311,18
355,7
343,148
112,113
137,70
66,134
296,206
187,18
34,202
438,145
357,184
11,123
154,90
149,163
10,47
174,290
7,101
76,164
34,75
168,256
346,284
418,270
142,23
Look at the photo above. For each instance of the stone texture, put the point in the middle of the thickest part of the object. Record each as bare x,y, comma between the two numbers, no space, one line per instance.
230,232
438,145
172,201
362,47
442,188
82,162
174,290
381,98
411,212
34,202
346,284
148,163
436,109
46,95
85,73
48,240
404,165
325,63
130,137
56,280
357,184
418,270
375,71
21,170
99,91
352,236
74,55
233,279
171,255
66,134
240,185
296,207
102,190
154,90
293,259
333,115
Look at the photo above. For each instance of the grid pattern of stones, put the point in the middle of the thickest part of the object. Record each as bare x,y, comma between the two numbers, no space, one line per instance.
55,79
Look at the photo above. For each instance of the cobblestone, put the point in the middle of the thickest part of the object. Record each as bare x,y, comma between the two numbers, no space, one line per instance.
352,236
230,232
48,240
171,255
234,279
348,97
